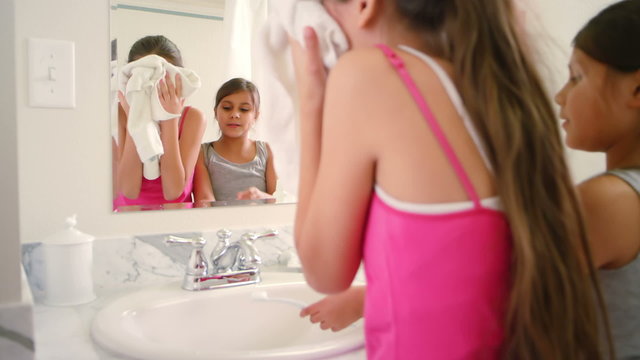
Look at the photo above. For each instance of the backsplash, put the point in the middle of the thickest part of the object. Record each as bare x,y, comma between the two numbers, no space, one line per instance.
145,259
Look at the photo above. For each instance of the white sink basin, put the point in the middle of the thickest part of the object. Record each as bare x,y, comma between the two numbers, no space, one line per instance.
166,322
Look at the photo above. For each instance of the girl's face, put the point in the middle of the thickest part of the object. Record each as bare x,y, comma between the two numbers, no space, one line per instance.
593,105
236,114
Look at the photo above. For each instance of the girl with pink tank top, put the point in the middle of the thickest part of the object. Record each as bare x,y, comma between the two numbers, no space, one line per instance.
181,138
393,174
464,316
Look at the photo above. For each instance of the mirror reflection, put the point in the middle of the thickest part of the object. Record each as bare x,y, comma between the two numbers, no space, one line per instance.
188,123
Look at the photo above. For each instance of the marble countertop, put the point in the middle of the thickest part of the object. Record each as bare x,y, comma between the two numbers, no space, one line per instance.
121,266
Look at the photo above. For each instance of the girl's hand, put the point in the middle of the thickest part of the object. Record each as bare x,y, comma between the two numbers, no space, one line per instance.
123,102
170,95
252,193
338,311
311,76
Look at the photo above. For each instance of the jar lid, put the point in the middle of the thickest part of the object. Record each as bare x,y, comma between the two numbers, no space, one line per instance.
69,236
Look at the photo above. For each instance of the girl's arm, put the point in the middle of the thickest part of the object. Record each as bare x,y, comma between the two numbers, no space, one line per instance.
129,167
611,214
202,189
271,178
180,155
336,171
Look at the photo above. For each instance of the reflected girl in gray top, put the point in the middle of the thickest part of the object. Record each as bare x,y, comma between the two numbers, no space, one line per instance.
235,167
601,107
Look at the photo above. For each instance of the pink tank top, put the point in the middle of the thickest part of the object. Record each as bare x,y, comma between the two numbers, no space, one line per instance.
151,190
437,284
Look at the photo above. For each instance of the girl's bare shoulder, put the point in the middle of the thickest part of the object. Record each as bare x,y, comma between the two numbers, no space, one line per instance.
606,187
611,209
608,194
360,69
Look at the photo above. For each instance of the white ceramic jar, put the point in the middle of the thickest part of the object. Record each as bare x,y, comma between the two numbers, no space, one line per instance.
68,266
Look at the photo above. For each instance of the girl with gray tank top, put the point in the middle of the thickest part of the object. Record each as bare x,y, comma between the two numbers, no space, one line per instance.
601,107
235,167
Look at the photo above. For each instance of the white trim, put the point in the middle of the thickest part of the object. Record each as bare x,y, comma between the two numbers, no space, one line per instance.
493,203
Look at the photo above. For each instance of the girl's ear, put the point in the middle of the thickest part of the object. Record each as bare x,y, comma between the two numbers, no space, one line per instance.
367,11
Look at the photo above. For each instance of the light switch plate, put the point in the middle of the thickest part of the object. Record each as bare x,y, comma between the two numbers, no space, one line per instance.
51,73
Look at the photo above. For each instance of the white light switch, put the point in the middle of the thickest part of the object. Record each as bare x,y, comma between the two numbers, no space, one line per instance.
51,73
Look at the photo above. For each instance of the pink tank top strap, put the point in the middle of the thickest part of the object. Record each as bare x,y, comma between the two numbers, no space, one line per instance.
399,65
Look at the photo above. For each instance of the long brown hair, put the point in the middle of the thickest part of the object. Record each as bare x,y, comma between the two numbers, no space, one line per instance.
555,295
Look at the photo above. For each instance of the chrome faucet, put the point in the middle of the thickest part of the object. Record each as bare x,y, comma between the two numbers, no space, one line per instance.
229,265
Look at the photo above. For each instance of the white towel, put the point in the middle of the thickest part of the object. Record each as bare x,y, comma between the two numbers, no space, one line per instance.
293,16
276,79
138,81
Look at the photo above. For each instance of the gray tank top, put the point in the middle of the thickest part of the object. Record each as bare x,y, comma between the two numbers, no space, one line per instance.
228,178
621,290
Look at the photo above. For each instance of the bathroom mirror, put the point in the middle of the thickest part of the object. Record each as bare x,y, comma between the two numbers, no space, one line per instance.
210,35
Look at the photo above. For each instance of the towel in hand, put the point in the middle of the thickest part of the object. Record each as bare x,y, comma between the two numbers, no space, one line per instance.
276,79
293,16
138,81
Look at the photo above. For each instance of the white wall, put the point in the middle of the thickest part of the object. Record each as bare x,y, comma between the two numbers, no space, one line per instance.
64,155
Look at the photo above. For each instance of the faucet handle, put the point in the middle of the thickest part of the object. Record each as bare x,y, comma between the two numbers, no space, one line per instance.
197,264
176,240
249,257
252,236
